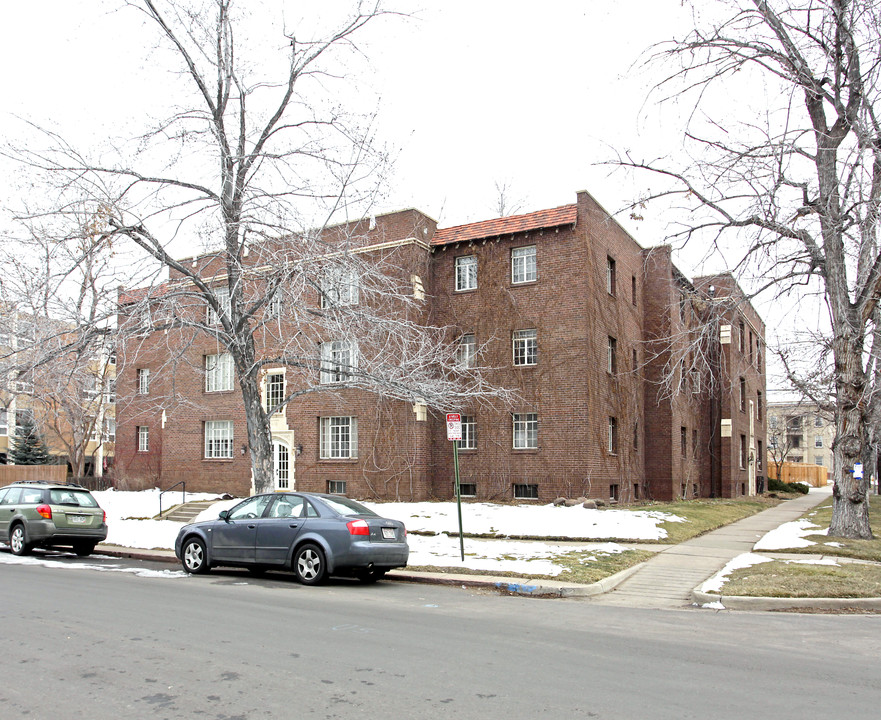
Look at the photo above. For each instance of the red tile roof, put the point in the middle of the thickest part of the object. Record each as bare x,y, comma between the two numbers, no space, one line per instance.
555,217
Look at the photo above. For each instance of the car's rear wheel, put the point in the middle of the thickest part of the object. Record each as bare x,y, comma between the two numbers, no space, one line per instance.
309,565
84,549
18,541
193,556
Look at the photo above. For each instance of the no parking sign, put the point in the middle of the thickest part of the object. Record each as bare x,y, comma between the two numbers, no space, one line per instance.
454,426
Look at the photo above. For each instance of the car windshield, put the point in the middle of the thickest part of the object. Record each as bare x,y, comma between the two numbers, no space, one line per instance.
79,498
344,506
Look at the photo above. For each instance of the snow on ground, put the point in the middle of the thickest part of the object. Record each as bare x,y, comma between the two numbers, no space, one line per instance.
790,535
129,513
715,583
528,520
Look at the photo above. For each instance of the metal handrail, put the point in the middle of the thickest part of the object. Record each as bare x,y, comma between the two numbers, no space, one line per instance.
182,482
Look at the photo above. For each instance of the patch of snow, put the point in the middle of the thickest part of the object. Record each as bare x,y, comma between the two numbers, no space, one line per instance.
813,561
745,560
789,535
713,605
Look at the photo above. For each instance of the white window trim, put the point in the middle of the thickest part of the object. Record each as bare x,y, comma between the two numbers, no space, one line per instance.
338,359
524,431
271,396
466,352
143,438
143,375
218,439
225,302
524,347
469,433
524,268
340,287
331,447
218,372
466,272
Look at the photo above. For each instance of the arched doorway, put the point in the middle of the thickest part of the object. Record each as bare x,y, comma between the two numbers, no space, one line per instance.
281,465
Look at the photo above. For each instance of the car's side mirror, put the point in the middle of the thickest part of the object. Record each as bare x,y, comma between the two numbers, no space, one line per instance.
224,515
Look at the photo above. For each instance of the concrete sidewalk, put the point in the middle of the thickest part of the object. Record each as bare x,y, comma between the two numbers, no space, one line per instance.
666,581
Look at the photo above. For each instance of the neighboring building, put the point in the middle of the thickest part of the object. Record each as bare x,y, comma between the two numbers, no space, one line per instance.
799,432
567,309
70,398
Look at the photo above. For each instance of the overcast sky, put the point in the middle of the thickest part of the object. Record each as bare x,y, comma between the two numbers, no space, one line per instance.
472,93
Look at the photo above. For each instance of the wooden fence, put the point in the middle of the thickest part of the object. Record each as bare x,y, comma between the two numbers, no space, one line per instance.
17,473
813,475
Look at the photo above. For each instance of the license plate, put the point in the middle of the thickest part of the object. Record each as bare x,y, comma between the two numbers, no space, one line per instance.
388,533
78,519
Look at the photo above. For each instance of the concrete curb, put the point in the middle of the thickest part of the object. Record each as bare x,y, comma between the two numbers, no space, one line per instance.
742,602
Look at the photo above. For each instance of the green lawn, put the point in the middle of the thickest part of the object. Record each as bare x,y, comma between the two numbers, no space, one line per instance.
704,515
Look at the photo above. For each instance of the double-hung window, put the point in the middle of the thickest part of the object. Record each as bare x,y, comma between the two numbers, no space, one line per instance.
223,300
612,360
466,272
274,390
143,438
469,433
339,438
613,436
523,266
525,431
143,381
466,352
218,439
338,359
525,348
218,372
339,286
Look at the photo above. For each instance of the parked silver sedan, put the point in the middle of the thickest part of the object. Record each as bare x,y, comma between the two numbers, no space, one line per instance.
311,534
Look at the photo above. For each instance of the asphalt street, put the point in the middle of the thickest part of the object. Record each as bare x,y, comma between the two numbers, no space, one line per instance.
80,642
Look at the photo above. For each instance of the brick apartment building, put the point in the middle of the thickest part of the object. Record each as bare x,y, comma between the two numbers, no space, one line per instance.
632,381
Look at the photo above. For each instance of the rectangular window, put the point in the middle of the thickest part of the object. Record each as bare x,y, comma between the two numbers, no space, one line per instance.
338,359
468,489
218,439
523,266
275,305
469,433
633,289
818,421
742,451
109,430
613,436
819,460
274,390
466,272
611,279
218,372
742,395
143,438
340,286
683,442
4,423
614,491
525,344
741,341
339,438
336,487
466,352
694,442
524,491
221,294
818,441
636,436
772,422
759,409
612,359
695,382
759,455
525,431
143,381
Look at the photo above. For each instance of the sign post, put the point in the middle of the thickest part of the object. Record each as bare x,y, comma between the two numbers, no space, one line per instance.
454,433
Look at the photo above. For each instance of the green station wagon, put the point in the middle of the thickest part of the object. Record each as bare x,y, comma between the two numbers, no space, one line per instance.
42,514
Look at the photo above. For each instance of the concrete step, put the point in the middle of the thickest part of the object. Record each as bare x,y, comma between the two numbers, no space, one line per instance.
186,512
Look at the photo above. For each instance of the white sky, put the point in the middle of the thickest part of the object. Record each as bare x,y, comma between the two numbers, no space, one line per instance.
472,94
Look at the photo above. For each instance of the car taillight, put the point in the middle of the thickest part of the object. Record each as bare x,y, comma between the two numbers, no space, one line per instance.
358,527
44,511
104,519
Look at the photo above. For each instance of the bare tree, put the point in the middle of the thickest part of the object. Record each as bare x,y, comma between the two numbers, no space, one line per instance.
797,181
257,164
